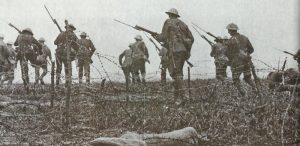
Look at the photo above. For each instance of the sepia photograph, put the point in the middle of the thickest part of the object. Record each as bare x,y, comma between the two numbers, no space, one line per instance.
149,72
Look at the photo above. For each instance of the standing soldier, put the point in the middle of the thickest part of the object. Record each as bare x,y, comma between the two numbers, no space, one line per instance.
179,40
3,55
66,39
10,65
25,42
126,64
218,51
238,53
84,55
140,56
42,62
163,53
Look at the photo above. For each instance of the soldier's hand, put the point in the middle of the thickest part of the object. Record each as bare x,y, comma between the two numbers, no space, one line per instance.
188,55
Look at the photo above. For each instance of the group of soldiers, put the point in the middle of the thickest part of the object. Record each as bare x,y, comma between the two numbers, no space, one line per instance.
176,42
36,52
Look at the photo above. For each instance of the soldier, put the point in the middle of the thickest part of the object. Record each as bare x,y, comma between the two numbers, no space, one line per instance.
297,58
66,39
10,65
85,52
126,64
42,62
140,56
218,51
179,40
163,53
4,54
26,51
238,53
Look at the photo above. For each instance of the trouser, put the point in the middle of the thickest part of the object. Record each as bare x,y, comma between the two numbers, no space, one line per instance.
163,75
127,71
39,77
138,65
24,71
176,71
220,70
68,69
84,65
239,67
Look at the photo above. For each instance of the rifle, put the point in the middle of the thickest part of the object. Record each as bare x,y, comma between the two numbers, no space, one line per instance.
205,38
256,79
11,25
295,56
205,31
54,20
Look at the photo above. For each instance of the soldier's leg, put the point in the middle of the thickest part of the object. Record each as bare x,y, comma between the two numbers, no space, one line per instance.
24,71
178,74
68,72
236,70
58,69
87,70
135,71
80,70
163,75
247,76
37,74
218,70
143,71
45,70
11,74
126,72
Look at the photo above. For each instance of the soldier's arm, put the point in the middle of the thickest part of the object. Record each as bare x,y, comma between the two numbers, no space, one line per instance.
250,47
58,40
213,52
93,49
145,49
16,42
121,57
49,53
162,36
40,47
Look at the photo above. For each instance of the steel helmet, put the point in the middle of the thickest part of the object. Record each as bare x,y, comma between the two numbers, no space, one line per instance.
42,39
9,43
28,30
83,34
173,11
232,26
225,38
71,26
218,38
130,45
1,36
138,37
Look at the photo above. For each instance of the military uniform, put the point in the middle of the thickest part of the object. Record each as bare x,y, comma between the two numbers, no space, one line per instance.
179,39
42,62
140,56
9,65
85,52
218,51
26,52
238,53
64,40
164,64
126,64
4,54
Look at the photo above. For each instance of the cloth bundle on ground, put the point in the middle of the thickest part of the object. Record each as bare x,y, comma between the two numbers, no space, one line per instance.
184,137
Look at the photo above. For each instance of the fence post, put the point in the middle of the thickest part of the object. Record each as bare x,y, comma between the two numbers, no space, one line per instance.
189,81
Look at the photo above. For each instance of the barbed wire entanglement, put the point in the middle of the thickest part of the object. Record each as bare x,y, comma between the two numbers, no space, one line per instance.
213,108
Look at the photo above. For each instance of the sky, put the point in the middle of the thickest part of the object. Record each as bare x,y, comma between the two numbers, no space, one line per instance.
270,25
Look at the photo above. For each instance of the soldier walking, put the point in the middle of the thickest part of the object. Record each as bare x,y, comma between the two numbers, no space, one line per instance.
42,62
84,55
64,41
179,40
163,53
26,51
239,50
10,65
218,51
140,56
126,64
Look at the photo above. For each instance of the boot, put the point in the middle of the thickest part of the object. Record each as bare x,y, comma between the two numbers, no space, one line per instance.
88,80
42,82
239,87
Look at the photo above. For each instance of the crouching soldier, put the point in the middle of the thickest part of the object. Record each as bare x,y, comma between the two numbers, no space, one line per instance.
10,65
126,64
218,51
42,62
84,55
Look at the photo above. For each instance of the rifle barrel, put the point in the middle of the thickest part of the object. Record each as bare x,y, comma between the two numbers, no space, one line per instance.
124,23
